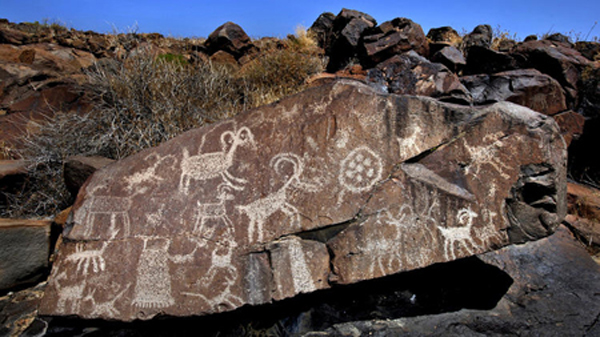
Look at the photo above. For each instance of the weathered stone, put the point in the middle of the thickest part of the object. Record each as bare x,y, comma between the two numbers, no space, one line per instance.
571,125
394,37
13,175
527,87
505,45
482,60
412,74
18,312
554,293
77,169
250,210
225,58
444,34
531,37
558,37
228,37
322,29
590,50
481,36
556,59
451,57
348,28
25,250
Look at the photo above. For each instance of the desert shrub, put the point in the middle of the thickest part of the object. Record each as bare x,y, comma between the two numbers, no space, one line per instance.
501,37
278,72
143,100
46,146
148,100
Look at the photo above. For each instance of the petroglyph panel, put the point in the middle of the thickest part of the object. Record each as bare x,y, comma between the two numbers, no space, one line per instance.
248,210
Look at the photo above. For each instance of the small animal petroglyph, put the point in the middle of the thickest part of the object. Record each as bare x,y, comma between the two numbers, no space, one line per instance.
487,155
211,165
71,295
408,146
87,259
105,308
459,235
215,211
149,174
259,210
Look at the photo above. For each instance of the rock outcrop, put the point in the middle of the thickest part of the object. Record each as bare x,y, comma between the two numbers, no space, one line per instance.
332,186
553,290
25,251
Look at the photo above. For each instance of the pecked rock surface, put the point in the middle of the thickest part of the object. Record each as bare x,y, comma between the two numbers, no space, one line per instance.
332,186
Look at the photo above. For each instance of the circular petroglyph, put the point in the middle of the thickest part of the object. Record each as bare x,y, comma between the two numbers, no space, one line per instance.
360,170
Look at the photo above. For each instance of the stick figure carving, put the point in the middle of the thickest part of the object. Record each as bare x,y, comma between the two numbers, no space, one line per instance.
211,165
259,210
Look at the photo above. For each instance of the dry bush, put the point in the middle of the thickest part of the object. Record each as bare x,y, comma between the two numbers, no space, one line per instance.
281,71
500,36
146,99
46,147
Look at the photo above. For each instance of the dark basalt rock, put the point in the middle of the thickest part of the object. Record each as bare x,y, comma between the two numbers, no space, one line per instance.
224,216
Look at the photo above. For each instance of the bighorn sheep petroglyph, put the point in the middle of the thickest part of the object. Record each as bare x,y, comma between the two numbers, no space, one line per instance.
210,165
461,235
259,210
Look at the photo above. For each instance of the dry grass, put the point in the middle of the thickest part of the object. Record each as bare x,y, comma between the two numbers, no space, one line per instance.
146,99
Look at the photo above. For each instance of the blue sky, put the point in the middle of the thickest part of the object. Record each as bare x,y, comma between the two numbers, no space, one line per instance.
278,18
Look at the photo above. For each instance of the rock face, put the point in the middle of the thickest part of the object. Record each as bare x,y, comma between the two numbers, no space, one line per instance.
394,37
527,87
230,38
332,186
24,254
554,293
412,74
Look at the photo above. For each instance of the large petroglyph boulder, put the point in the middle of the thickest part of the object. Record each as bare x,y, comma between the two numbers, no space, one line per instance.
332,186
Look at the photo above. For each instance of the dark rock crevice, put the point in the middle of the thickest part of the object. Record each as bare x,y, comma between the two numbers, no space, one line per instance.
462,284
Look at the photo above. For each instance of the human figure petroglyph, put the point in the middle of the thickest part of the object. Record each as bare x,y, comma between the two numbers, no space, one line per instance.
88,258
259,210
153,286
211,165
105,308
393,251
459,235
214,211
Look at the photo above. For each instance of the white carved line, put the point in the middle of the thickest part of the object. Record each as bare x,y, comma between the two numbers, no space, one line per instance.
211,165
261,209
213,211
459,235
87,259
